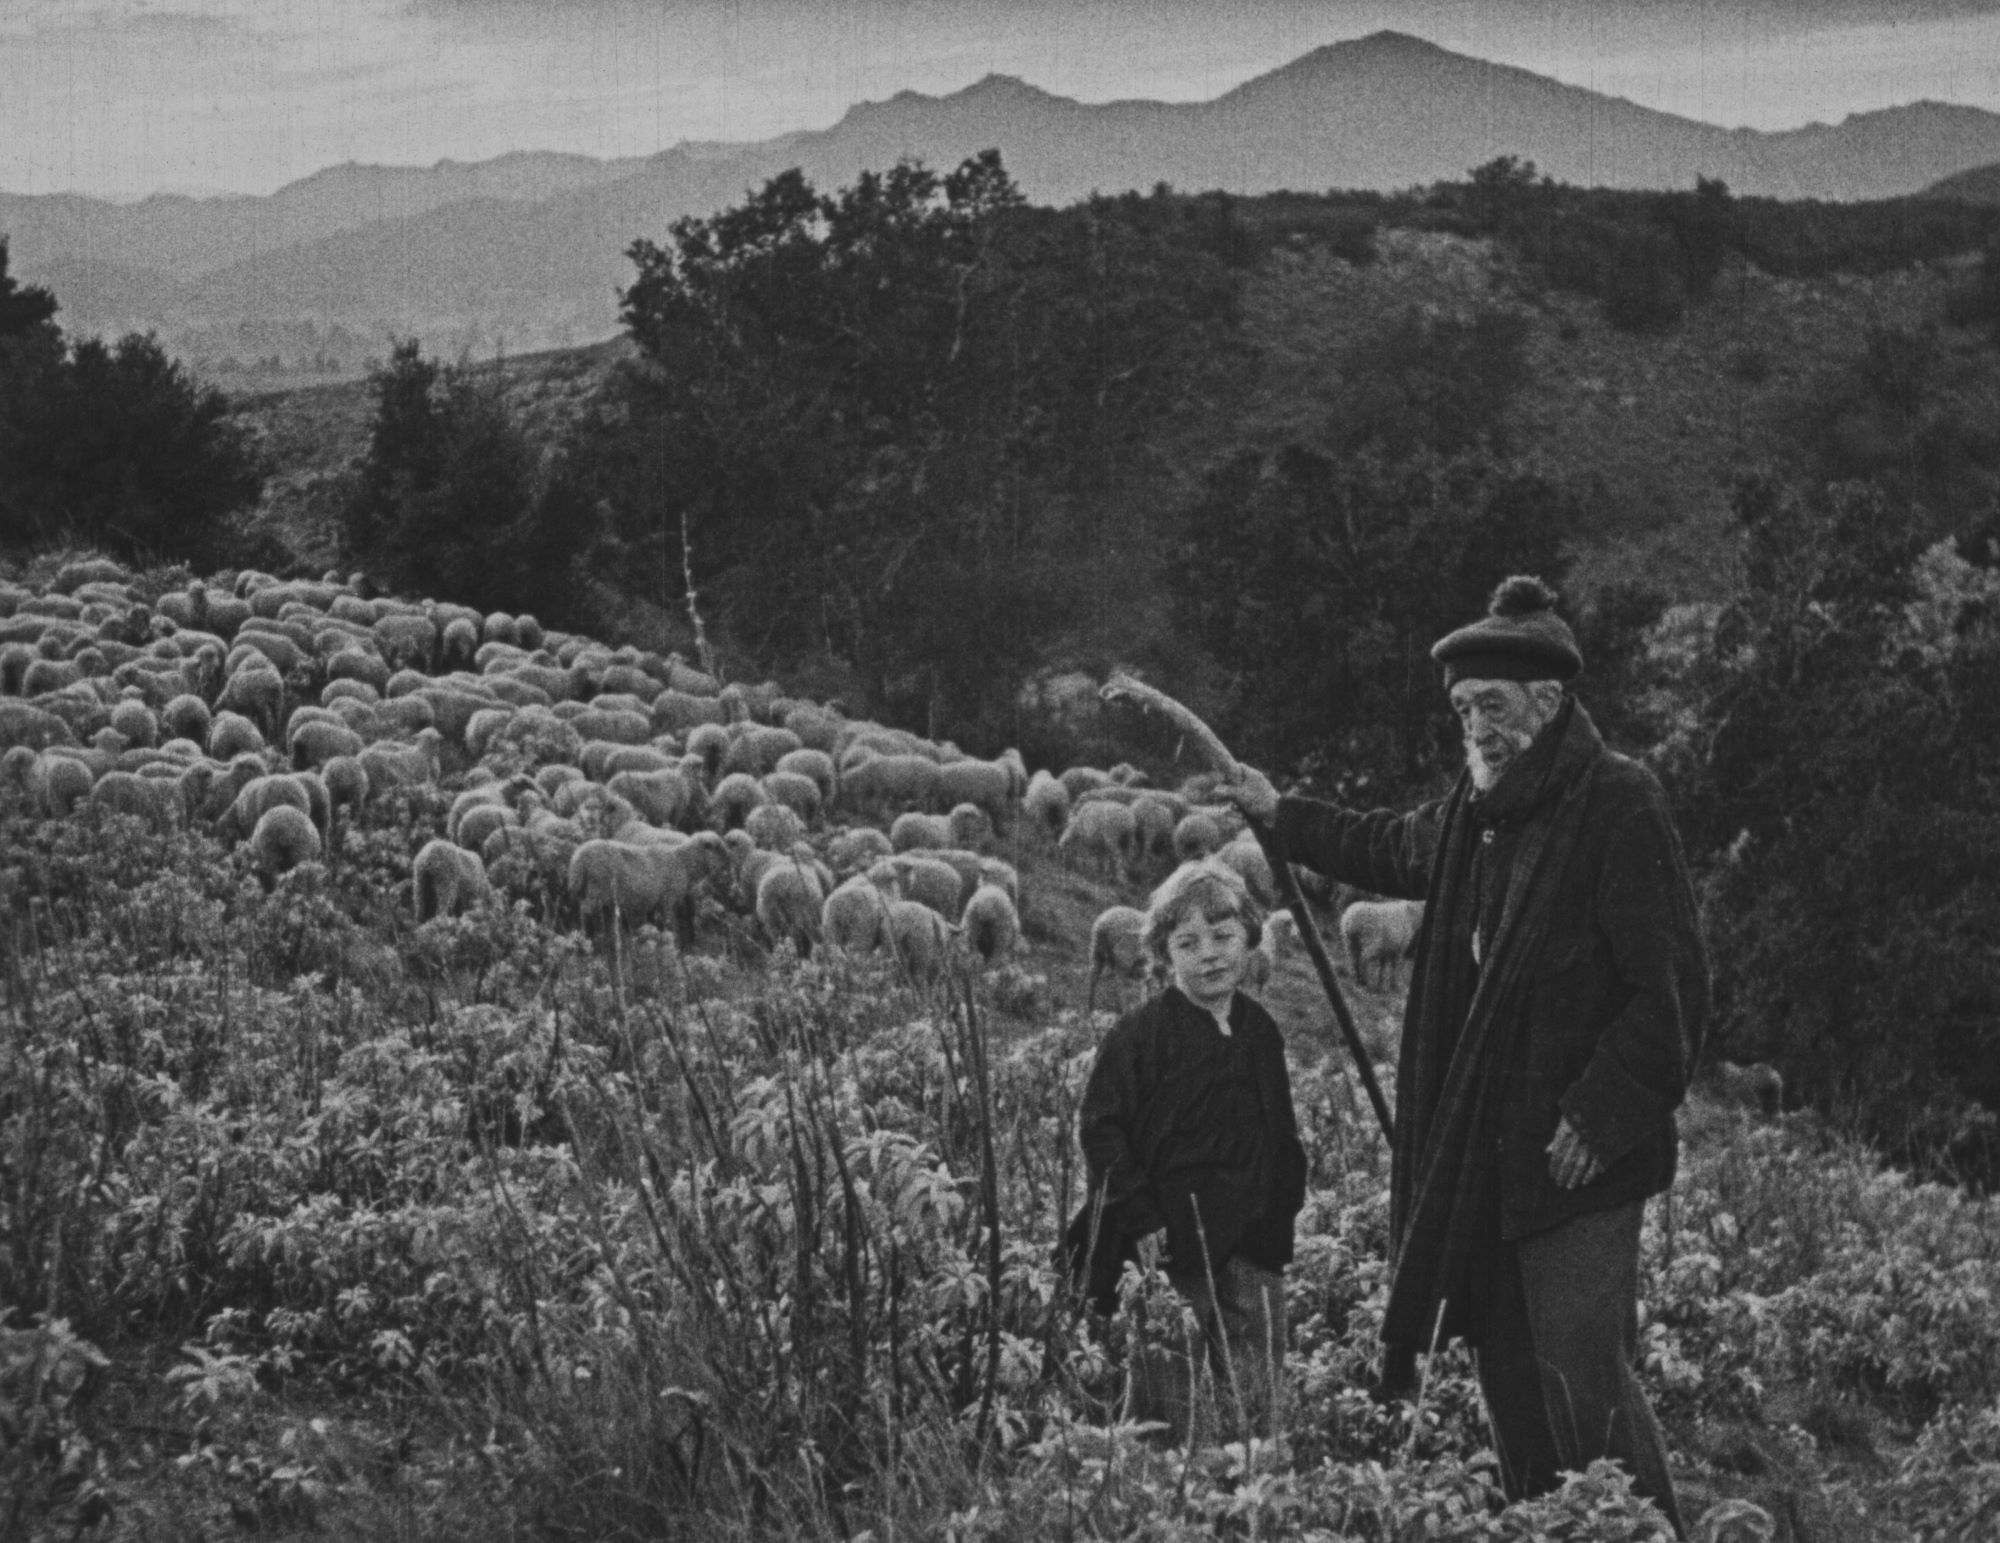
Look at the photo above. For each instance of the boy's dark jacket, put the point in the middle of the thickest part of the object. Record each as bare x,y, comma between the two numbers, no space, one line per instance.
1130,1106
1591,1001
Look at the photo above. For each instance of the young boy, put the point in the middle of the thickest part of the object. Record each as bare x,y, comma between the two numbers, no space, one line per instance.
1188,1128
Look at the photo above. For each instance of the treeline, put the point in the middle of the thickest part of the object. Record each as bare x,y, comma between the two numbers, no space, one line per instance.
111,445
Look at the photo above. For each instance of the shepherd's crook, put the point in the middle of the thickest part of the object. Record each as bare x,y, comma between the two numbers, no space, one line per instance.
1216,754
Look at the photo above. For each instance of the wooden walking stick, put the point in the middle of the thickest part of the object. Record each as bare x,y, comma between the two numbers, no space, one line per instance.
1122,687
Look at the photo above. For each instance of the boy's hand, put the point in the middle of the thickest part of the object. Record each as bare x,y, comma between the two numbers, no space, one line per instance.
1253,794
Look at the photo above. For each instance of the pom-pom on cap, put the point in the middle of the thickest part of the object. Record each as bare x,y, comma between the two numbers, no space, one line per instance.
1520,638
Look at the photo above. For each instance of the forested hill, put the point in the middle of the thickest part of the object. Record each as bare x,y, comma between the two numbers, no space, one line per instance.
1627,356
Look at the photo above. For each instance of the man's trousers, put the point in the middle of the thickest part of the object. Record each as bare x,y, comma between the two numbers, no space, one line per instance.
1556,1365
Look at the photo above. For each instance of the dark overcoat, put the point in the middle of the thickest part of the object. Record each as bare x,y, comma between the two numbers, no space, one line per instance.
1590,1001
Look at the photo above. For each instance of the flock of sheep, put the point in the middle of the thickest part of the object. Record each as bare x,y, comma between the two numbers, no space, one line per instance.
612,786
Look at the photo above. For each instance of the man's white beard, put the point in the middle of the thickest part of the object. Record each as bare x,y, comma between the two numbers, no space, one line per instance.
1484,772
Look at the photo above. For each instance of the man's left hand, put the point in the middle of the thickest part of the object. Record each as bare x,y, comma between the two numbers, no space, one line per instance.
1570,1161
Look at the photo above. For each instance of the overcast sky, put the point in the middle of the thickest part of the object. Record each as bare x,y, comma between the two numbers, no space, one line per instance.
125,97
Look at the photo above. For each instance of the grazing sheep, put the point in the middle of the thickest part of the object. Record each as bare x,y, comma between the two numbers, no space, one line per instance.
155,800
987,785
663,798
733,799
22,723
814,764
401,766
1079,780
1246,857
1117,946
676,712
136,722
1380,936
283,838
694,682
447,880
1103,834
1126,775
1198,835
405,716
1046,804
476,827
346,785
789,901
404,639
797,792
231,734
913,832
314,744
602,760
898,781
919,938
1154,820
970,825
644,882
1757,1086
991,924
853,850
757,750
710,742
257,692
186,717
818,728
56,782
855,917
922,878
774,827
1279,928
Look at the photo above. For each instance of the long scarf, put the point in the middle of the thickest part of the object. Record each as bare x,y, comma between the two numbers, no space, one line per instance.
1448,1103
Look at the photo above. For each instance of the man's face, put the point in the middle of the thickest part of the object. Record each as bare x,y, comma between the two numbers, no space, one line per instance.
1500,719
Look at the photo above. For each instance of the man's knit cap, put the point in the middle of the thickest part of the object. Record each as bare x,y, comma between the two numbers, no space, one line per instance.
1519,638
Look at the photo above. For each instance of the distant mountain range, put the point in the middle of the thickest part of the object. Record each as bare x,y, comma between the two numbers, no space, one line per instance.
529,248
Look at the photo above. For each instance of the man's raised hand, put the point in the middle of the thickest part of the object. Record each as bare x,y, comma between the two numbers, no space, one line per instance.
1254,794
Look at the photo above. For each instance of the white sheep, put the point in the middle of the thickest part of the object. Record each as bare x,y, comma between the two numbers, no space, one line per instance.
346,785
988,785
1380,935
1757,1086
789,902
283,838
757,750
733,799
57,782
1103,834
1046,803
314,744
402,766
1079,780
774,827
157,801
850,851
913,832
136,722
991,924
664,798
903,781
815,764
796,791
919,938
855,917
1154,820
1279,928
1242,853
1117,946
923,878
1198,834
641,883
230,734
446,880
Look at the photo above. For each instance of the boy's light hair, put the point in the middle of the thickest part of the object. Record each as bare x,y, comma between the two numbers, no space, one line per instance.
1214,889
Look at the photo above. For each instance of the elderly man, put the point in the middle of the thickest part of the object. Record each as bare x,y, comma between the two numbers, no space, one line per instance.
1555,1014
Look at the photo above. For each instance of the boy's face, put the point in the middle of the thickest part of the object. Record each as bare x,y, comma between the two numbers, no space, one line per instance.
1208,957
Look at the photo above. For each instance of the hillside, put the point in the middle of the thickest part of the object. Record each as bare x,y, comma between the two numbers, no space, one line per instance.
1650,430
1980,185
362,1205
529,246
